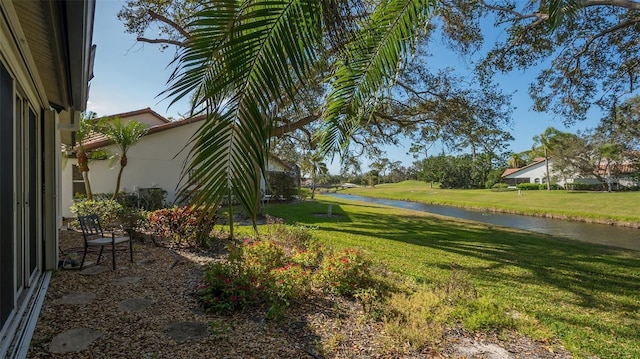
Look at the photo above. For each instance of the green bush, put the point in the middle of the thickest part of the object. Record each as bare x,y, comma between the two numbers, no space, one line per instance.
304,193
261,257
279,274
528,186
184,225
345,272
226,288
554,186
500,187
109,211
583,187
291,282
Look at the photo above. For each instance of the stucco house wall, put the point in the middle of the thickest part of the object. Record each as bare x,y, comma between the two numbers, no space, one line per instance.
536,172
155,161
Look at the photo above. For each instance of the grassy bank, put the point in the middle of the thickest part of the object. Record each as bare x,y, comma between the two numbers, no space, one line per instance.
586,296
599,207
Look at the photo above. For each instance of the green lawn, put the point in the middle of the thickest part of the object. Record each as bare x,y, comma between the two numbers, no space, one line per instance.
592,206
587,296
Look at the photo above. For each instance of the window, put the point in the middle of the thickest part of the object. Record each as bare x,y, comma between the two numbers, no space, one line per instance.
7,271
537,180
78,181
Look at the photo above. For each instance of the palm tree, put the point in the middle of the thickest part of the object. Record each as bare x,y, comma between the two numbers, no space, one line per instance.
611,153
124,135
82,133
314,166
545,141
245,58
515,160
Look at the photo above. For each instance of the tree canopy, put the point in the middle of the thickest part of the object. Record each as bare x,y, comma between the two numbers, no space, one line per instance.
248,64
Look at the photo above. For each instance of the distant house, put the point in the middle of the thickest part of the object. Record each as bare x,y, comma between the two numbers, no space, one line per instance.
155,161
536,172
46,62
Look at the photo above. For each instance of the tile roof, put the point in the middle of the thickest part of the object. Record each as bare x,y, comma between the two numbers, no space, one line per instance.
97,140
510,171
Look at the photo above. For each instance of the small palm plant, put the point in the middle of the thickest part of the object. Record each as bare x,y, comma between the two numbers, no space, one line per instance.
124,135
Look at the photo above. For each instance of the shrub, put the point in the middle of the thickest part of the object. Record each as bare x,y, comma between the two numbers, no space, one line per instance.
583,187
261,257
184,225
528,186
304,193
500,187
107,210
226,288
307,258
554,186
292,237
152,199
290,283
345,272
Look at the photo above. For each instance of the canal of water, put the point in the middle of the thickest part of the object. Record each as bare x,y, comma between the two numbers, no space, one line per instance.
616,236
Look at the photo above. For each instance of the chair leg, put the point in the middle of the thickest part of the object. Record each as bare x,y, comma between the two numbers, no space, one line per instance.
83,257
113,255
100,255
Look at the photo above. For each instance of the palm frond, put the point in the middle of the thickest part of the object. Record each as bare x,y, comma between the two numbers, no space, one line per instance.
244,56
559,10
370,65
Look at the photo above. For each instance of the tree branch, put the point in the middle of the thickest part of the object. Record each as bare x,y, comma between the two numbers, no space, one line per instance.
621,25
290,127
155,16
162,41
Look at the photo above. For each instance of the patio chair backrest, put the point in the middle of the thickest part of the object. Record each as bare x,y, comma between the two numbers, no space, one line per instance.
90,226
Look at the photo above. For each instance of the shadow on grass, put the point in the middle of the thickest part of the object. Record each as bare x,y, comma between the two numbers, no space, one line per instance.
580,285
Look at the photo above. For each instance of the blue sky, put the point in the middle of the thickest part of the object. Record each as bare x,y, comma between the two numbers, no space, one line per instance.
131,75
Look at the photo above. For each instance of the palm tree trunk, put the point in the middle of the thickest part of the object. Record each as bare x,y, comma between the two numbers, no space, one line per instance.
546,163
115,193
87,185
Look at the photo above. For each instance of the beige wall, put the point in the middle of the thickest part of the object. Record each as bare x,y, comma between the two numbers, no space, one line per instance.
155,161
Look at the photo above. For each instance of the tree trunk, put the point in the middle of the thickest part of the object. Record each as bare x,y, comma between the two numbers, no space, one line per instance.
83,167
546,163
608,177
87,185
123,164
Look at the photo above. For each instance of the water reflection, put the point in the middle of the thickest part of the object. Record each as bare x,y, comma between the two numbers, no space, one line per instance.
622,237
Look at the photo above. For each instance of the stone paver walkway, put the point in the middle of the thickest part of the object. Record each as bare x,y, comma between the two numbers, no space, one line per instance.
78,339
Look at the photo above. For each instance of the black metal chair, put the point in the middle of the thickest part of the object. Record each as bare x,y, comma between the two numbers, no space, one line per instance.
91,228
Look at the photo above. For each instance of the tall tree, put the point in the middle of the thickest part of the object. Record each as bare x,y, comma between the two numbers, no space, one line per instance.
315,167
124,135
515,160
588,48
240,69
86,127
545,142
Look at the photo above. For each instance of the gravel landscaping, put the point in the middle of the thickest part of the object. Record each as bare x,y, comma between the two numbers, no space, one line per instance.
147,310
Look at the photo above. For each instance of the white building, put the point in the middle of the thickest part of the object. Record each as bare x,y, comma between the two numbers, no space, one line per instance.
155,161
536,172
46,60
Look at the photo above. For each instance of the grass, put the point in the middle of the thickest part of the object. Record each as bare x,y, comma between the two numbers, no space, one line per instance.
600,207
584,295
